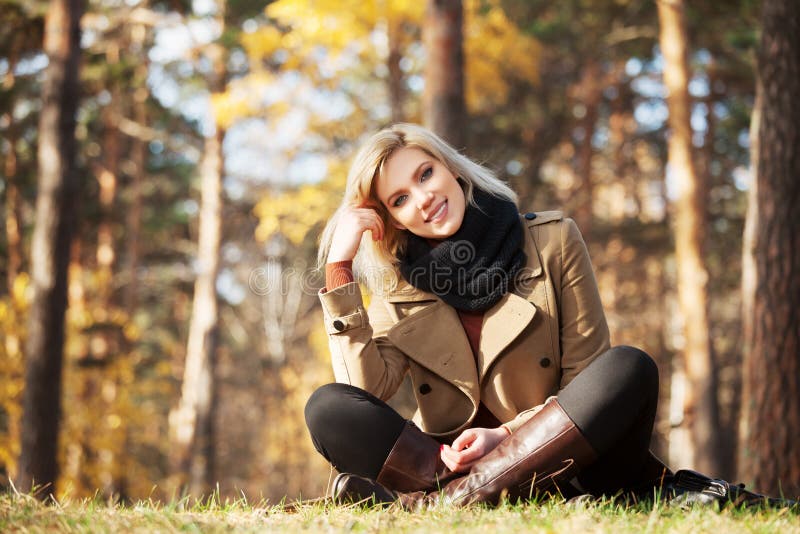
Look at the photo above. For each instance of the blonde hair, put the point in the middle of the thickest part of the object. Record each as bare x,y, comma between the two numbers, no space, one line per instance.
376,261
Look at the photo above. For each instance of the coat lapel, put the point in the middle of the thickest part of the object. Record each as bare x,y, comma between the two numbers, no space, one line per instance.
502,324
507,319
526,277
435,339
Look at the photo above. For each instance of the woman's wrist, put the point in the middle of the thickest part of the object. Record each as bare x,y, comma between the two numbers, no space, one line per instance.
335,256
338,273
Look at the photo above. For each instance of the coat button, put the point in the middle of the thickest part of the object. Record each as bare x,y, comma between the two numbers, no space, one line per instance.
338,325
530,216
425,389
544,362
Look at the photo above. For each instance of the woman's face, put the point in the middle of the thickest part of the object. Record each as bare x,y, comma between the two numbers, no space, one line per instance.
420,194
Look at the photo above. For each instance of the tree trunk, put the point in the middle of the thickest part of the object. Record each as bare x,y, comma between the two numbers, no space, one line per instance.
192,423
50,248
134,215
395,80
589,96
700,410
770,419
108,178
443,105
140,36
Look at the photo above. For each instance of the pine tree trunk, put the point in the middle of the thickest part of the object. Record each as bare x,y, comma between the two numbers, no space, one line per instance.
134,216
590,98
194,432
700,410
108,178
140,36
443,97
50,248
395,80
770,419
192,423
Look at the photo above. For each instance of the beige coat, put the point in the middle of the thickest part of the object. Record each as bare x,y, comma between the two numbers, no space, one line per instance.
533,342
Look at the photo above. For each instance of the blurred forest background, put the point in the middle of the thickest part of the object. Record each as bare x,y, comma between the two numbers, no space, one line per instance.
168,165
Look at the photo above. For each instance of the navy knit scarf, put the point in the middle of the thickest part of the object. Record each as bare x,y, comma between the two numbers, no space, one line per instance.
471,269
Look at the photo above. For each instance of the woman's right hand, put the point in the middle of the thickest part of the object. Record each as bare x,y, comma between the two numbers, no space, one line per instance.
470,446
352,224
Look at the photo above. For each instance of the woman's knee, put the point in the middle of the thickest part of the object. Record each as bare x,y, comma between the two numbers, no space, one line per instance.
636,365
323,401
351,428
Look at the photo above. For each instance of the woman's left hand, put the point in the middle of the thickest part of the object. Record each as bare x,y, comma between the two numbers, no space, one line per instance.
472,445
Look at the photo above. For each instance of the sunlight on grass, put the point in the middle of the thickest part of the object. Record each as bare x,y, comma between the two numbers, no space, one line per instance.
23,513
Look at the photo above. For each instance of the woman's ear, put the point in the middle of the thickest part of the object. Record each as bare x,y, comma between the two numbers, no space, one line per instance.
397,225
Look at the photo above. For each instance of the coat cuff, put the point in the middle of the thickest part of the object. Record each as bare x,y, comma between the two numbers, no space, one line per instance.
523,417
343,308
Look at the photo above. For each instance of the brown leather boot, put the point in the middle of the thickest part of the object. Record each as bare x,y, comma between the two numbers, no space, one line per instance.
414,463
546,450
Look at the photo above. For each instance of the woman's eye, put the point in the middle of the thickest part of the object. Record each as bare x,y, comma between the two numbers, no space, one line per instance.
399,201
427,173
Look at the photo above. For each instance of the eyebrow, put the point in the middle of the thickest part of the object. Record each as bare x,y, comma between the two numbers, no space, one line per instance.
414,176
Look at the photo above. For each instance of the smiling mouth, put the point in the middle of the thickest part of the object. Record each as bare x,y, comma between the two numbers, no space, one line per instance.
438,213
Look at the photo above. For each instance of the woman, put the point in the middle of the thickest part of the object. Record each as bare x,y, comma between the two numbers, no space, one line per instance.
498,319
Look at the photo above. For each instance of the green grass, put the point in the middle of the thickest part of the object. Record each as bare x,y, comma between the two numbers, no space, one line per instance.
22,513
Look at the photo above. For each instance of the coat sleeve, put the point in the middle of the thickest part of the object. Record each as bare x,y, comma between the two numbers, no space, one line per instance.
361,354
583,330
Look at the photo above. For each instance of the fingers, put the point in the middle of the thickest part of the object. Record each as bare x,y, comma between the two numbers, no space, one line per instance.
470,455
350,228
459,461
467,449
457,467
451,460
368,219
377,228
464,439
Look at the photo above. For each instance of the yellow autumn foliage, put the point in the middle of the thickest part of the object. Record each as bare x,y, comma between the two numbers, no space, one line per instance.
293,213
13,317
495,51
243,98
261,43
338,24
229,107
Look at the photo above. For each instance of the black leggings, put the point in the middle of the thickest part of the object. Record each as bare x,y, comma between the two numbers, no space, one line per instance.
613,402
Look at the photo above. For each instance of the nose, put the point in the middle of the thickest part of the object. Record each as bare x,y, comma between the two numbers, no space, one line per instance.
424,200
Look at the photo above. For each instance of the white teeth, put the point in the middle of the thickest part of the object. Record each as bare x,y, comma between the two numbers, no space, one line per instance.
438,212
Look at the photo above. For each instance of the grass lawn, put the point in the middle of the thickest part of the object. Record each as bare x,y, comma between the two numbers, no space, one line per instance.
25,514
